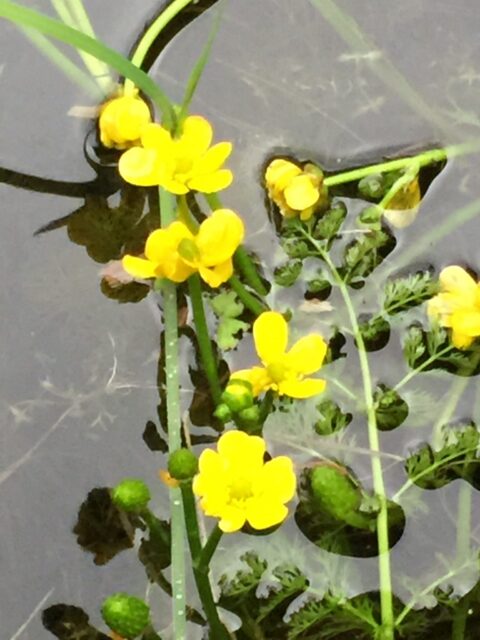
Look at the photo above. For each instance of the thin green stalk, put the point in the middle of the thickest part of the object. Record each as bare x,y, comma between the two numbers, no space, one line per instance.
151,34
97,69
169,291
242,259
248,300
411,374
203,338
58,58
30,18
200,571
423,159
209,548
385,578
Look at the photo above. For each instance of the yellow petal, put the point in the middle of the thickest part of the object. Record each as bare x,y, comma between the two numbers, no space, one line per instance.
232,519
219,237
140,268
262,514
211,182
213,158
458,282
256,376
217,275
239,447
307,354
173,185
270,334
277,479
161,248
301,388
210,463
460,340
196,135
154,136
467,322
140,167
301,193
133,118
279,174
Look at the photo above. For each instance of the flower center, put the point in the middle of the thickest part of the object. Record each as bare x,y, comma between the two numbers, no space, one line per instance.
277,371
187,250
240,489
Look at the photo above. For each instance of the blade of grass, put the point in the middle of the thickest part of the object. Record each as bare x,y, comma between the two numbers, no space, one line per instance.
30,18
199,68
97,69
59,59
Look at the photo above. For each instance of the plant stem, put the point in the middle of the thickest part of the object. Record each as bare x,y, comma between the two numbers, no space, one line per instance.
75,38
423,159
151,34
203,338
242,259
167,214
385,579
248,300
411,374
209,548
200,570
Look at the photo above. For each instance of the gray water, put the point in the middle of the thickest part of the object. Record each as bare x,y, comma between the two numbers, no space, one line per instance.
78,370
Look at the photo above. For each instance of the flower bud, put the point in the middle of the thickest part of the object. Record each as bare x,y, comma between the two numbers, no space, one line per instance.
223,413
125,614
182,464
238,395
131,495
249,420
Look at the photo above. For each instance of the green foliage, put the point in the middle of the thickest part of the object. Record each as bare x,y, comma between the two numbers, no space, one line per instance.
390,409
331,418
375,333
287,274
228,308
408,291
457,458
330,222
364,255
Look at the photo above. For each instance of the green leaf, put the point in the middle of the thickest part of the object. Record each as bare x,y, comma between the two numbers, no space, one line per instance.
331,418
330,222
406,292
227,331
287,274
390,409
375,332
362,256
227,308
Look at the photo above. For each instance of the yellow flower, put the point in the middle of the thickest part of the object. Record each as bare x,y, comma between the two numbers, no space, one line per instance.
235,485
122,121
178,164
457,306
175,252
403,208
296,192
284,371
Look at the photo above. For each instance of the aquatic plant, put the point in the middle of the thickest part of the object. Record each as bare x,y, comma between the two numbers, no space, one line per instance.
186,256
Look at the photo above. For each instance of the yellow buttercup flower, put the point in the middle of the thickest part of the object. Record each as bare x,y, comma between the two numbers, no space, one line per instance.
122,120
457,306
236,485
181,164
175,252
297,192
284,371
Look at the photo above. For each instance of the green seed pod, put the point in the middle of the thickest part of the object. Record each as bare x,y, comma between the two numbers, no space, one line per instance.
126,615
131,495
238,395
335,492
182,464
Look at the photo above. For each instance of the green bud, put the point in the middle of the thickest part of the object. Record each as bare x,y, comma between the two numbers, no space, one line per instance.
238,395
249,419
223,413
131,495
126,615
182,464
372,186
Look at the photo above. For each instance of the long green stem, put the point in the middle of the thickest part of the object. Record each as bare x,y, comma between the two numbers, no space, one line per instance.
151,34
422,159
200,571
248,300
167,214
30,18
385,579
209,548
411,374
203,338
